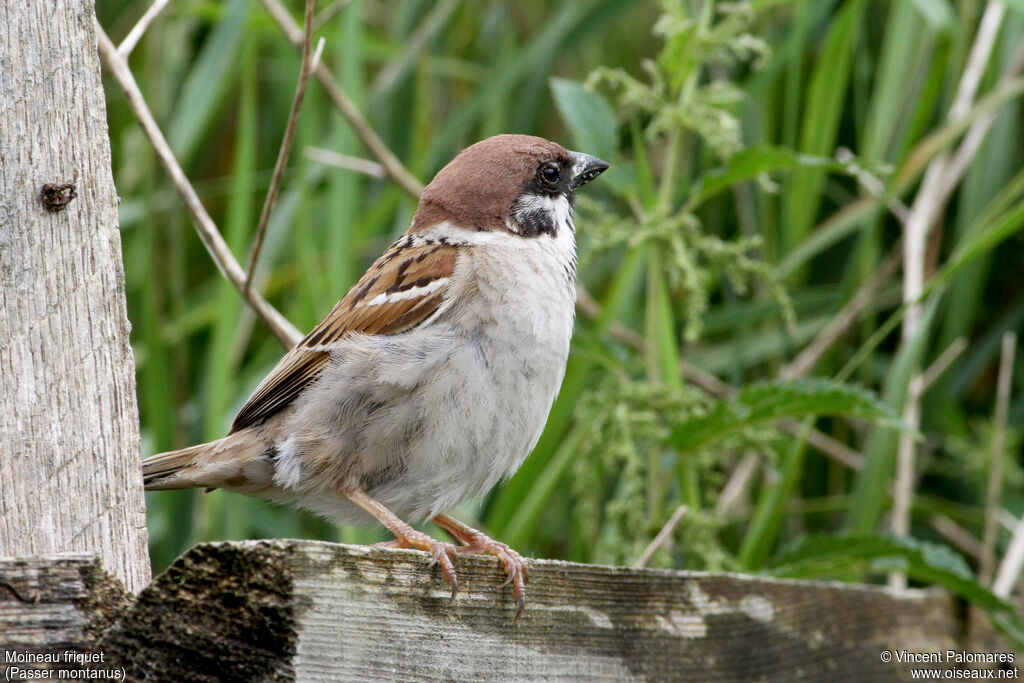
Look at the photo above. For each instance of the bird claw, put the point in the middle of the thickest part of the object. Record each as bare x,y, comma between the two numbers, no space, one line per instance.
441,553
518,573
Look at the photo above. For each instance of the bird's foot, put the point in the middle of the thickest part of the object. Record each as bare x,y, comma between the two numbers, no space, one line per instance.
407,537
443,553
515,565
477,542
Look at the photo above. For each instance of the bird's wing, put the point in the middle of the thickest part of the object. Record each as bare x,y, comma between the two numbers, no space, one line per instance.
407,285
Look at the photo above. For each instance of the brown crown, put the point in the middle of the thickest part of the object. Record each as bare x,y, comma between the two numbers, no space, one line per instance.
477,188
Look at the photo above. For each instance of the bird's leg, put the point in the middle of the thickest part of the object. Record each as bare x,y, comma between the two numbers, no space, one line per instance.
479,542
407,537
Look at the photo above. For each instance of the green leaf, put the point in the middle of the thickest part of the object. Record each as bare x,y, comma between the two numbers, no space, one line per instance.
209,81
588,116
937,13
870,489
563,26
826,96
771,504
981,241
753,162
817,556
1016,5
821,555
765,401
851,218
759,6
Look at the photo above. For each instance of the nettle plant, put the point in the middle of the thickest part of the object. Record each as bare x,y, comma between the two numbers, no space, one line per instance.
653,440
657,261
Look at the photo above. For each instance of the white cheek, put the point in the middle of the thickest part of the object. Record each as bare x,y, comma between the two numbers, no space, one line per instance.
563,213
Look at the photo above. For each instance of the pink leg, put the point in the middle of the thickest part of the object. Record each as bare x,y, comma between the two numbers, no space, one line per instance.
478,542
407,537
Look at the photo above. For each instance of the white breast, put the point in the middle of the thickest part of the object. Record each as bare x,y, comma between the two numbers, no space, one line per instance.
515,315
459,402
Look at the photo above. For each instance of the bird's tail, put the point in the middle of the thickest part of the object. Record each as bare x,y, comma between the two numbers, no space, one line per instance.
165,470
237,462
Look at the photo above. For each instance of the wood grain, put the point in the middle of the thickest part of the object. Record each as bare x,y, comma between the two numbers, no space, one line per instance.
69,442
55,604
313,611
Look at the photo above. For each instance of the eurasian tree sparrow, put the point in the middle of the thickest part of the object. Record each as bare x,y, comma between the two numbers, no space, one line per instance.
431,380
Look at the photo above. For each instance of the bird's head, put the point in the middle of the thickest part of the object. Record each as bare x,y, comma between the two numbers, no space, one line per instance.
518,183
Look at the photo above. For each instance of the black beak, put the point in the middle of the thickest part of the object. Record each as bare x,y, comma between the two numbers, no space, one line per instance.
585,168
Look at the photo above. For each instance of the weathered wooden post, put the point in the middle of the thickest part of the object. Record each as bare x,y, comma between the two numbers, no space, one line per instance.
69,433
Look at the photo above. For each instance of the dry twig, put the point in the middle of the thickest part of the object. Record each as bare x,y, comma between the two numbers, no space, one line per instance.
850,313
329,158
133,37
415,43
942,363
902,490
734,493
1010,568
663,535
929,201
1004,383
961,159
846,317
329,12
309,62
207,229
873,185
957,535
399,173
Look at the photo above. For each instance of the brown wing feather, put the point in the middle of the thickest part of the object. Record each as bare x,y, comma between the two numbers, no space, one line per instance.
401,269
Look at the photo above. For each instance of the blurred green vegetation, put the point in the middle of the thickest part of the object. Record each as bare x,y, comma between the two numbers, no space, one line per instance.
726,236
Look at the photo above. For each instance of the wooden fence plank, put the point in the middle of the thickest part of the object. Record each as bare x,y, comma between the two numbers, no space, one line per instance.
313,611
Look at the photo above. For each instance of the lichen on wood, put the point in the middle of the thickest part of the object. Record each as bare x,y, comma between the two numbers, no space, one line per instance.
312,611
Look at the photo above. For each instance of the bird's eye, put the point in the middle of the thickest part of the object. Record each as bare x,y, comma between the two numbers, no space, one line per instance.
549,173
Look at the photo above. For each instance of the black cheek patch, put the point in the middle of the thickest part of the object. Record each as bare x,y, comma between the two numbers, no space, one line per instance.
535,222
